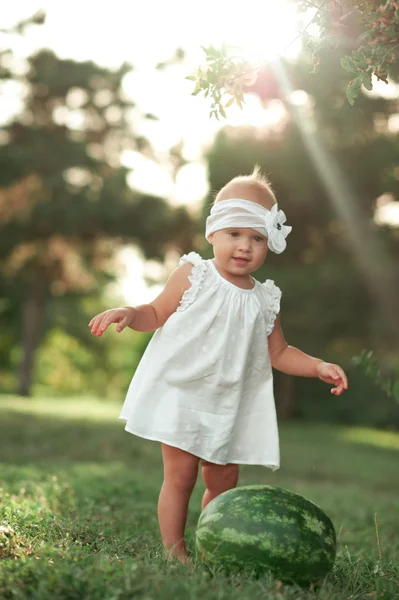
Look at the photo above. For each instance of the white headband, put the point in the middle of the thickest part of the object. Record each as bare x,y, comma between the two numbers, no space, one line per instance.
235,212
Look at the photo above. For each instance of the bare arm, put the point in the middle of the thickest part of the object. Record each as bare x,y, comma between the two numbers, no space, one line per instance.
293,361
147,317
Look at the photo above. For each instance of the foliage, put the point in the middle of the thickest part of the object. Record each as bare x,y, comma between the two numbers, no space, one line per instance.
330,307
371,367
67,365
66,207
223,74
364,405
319,248
367,31
79,518
375,47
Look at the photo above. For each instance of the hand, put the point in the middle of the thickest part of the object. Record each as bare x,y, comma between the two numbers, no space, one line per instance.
334,375
123,316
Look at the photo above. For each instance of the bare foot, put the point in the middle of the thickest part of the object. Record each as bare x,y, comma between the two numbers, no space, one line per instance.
186,560
181,557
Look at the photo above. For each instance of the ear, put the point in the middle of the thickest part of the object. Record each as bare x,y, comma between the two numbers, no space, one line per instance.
210,238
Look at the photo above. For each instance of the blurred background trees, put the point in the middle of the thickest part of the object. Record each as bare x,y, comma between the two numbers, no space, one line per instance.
65,206
346,292
66,210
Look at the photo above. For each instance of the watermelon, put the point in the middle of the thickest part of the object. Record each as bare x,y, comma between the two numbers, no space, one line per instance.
261,528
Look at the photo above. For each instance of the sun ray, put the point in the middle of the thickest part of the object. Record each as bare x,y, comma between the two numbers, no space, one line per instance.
372,259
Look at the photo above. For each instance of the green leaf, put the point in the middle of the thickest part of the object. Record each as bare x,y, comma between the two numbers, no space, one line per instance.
360,60
353,89
357,55
198,88
367,51
211,76
361,64
365,35
348,64
191,78
230,102
211,52
366,80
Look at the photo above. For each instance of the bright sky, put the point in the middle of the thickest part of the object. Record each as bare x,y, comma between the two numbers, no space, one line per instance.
144,34
148,32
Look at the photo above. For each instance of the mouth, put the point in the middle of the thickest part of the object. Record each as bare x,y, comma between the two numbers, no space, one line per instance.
240,262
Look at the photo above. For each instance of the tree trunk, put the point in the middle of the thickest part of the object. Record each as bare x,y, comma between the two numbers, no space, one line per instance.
32,325
285,404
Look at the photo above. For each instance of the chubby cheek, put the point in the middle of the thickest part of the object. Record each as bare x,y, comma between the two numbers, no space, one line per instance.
223,251
260,255
222,254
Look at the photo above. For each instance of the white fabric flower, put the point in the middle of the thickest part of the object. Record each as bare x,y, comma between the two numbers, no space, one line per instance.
276,230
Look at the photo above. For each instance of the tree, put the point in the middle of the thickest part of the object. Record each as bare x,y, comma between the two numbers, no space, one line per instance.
367,31
65,206
335,302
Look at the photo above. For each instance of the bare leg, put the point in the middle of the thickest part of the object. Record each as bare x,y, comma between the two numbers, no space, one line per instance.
217,479
180,476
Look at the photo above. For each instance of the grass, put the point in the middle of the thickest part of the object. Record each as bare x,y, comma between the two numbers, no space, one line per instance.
78,508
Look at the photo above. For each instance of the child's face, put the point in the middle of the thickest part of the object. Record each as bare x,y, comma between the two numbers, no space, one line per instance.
239,251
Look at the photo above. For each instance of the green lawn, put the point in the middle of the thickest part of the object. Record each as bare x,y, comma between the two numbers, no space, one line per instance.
78,499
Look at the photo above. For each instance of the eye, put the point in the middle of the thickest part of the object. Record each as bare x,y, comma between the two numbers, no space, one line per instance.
258,238
234,233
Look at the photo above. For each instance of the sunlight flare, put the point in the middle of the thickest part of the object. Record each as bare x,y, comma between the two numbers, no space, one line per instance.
261,32
370,255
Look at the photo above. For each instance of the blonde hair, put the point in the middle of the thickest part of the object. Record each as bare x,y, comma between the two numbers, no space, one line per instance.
255,187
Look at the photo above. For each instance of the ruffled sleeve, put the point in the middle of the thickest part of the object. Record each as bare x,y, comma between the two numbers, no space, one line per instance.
273,297
196,279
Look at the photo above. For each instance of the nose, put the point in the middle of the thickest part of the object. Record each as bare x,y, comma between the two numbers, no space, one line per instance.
244,244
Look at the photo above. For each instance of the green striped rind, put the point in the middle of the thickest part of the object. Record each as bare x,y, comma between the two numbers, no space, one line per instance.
263,528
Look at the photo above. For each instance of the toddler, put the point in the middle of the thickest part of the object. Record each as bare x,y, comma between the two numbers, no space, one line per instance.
204,387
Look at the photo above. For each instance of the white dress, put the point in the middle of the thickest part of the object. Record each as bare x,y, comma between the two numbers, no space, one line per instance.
205,381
